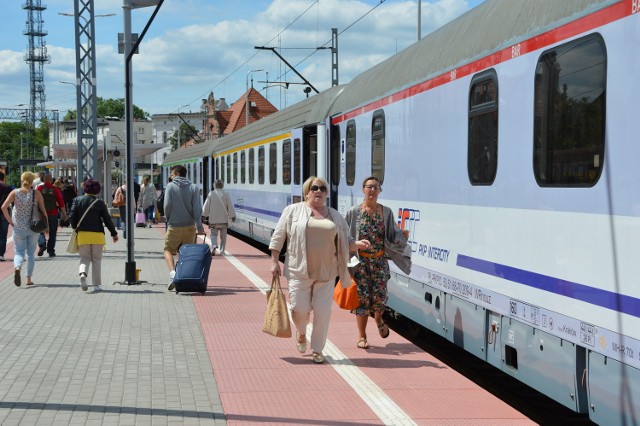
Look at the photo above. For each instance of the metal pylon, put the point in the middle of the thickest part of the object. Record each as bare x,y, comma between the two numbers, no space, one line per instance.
36,57
86,114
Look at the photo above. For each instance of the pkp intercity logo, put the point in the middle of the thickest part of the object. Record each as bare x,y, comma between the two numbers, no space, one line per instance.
408,219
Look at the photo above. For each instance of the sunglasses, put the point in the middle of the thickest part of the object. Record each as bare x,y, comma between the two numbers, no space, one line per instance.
315,188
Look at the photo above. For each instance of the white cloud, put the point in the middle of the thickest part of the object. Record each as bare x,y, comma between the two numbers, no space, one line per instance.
194,46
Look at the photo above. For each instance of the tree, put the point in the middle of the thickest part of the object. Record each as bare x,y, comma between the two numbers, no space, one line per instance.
110,108
186,132
20,140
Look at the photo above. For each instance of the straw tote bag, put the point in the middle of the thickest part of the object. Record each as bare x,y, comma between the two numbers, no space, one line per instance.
276,319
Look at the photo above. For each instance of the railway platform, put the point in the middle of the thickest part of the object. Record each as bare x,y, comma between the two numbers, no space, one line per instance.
135,355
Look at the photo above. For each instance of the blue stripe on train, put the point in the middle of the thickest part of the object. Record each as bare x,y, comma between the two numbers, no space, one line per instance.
595,296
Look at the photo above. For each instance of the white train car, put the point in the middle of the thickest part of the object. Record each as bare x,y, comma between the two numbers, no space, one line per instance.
265,164
506,143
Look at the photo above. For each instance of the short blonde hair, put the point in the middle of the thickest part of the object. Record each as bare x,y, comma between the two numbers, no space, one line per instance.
27,178
307,184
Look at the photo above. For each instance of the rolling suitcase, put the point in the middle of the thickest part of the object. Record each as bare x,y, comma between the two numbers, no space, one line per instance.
192,269
141,219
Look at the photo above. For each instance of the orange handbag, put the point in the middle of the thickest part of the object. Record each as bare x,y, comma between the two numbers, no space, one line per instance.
346,298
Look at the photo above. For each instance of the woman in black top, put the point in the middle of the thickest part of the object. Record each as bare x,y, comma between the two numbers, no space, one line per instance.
91,239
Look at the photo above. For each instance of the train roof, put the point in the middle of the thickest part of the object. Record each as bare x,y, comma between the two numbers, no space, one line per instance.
312,110
488,28
188,154
308,111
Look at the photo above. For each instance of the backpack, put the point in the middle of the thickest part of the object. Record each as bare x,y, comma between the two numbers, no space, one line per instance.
49,199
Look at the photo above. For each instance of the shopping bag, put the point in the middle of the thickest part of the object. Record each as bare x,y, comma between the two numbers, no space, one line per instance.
72,245
346,298
276,319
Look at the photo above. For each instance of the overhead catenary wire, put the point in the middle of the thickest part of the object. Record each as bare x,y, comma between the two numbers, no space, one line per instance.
242,65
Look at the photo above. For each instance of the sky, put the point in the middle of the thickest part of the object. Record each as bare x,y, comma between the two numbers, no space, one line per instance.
195,47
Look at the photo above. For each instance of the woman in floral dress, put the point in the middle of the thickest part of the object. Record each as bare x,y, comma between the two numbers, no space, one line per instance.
373,222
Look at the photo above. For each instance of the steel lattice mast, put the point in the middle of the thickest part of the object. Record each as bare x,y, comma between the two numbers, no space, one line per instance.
36,57
86,116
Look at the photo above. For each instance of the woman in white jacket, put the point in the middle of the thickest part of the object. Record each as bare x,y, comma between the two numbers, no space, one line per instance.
318,246
148,198
219,211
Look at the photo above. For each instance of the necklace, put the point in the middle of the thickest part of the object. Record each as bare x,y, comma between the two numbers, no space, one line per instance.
368,209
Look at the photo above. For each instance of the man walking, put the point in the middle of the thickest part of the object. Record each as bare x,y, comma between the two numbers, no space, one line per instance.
5,190
52,201
183,211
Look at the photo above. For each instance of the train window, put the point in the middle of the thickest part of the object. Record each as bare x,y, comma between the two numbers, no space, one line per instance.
221,159
235,167
252,165
482,145
350,153
377,145
200,172
334,152
228,169
296,161
243,167
569,113
261,165
286,162
273,163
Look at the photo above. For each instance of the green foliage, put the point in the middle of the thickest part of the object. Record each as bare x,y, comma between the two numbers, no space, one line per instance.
20,140
186,132
111,108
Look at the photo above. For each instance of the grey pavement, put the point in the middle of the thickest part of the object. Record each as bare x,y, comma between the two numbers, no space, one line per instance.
126,355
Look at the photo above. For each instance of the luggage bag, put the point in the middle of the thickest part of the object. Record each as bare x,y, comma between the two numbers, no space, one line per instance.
141,219
192,269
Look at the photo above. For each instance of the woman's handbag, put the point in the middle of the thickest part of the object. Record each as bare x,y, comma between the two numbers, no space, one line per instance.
119,199
38,224
346,298
276,319
72,245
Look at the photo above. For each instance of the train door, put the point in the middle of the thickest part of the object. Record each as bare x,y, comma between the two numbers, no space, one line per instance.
296,163
335,163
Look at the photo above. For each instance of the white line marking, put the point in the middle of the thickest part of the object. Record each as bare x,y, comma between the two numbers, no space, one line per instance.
384,407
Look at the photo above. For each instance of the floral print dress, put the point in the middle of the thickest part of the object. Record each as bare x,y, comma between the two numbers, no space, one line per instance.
372,273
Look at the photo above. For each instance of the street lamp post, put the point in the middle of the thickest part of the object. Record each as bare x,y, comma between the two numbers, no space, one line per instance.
129,50
247,100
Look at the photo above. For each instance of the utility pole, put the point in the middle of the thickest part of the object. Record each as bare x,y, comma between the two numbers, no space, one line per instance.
129,49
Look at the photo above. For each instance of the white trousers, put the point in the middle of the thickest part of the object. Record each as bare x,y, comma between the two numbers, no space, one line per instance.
91,254
306,296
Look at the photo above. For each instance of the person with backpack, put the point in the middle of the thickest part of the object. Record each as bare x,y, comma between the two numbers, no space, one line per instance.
52,201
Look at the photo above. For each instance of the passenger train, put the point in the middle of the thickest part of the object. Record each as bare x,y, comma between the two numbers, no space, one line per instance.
506,143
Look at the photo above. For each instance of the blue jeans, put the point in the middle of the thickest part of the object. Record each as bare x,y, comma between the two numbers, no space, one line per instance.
53,233
25,242
4,229
123,219
149,212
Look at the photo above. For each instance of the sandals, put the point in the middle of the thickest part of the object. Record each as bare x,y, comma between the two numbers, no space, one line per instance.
362,343
17,280
302,346
318,358
383,330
